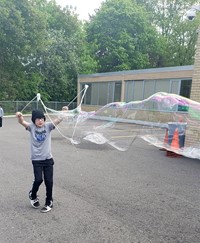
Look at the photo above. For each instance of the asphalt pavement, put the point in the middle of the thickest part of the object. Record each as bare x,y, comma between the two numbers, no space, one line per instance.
101,195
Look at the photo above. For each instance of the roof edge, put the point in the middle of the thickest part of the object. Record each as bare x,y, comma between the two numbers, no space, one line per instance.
138,71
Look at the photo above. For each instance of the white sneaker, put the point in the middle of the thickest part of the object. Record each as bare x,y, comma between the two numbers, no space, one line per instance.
47,208
34,202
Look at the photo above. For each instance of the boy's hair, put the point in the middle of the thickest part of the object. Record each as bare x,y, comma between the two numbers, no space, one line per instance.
37,114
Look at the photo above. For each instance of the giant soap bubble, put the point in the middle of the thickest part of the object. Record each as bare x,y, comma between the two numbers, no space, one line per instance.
164,120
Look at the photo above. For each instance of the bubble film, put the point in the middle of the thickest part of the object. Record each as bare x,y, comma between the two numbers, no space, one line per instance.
167,121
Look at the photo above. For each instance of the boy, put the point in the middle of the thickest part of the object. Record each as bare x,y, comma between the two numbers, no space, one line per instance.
42,160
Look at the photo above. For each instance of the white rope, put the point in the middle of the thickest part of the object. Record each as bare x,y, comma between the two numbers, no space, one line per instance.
71,112
28,104
84,89
74,111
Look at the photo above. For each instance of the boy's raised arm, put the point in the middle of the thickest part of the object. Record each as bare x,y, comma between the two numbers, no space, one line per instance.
21,119
57,120
60,119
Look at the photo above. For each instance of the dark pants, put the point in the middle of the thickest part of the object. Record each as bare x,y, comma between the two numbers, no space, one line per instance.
43,170
1,121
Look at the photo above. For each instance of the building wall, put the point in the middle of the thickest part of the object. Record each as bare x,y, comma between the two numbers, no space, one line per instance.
195,91
183,72
192,131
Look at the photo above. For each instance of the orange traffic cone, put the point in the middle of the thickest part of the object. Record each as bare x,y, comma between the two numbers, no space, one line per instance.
174,145
175,140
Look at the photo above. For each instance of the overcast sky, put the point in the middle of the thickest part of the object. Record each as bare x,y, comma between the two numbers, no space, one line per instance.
83,7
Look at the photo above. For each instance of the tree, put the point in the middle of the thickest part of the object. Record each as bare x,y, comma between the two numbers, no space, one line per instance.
169,17
21,36
40,45
121,38
60,61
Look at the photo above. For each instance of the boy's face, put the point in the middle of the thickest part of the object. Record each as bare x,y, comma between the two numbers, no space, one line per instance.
39,122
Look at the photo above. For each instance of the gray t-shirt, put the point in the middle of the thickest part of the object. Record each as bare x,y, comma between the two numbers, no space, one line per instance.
41,141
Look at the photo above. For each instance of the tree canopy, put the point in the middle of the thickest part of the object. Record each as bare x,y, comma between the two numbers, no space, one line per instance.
44,47
40,49
121,38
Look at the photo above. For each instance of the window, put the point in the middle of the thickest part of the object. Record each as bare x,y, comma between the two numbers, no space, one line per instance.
95,94
142,89
129,90
149,88
117,92
138,90
102,93
111,89
162,86
186,88
175,86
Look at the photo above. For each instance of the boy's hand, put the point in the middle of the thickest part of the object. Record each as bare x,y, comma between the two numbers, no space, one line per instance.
65,108
21,120
18,114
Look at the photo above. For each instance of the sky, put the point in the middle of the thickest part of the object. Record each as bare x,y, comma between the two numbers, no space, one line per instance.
83,7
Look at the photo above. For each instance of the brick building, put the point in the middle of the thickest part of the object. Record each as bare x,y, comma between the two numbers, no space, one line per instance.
192,131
